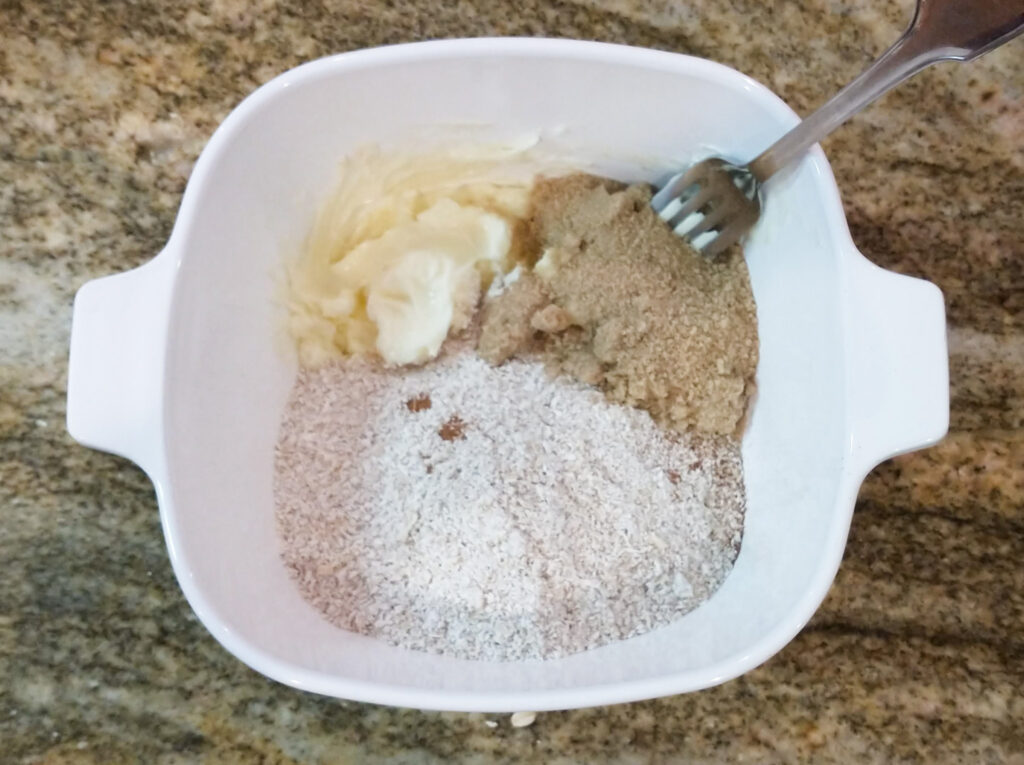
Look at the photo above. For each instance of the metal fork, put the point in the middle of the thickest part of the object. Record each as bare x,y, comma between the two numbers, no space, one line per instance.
715,202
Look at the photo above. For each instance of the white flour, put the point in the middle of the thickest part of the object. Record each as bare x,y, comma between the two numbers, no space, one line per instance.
509,516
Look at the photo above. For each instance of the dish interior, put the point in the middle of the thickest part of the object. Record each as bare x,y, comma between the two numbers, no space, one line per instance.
230,365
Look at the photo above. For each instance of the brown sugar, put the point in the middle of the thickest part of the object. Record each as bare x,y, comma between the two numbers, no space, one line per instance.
507,327
616,299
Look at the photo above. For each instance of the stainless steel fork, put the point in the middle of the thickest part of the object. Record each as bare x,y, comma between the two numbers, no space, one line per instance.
715,202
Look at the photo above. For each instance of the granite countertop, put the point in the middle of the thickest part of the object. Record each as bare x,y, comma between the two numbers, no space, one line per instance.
917,655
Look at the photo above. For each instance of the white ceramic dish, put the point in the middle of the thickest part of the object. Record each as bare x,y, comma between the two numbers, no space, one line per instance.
180,365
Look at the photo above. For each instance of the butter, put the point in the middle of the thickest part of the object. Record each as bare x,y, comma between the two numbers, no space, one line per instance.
423,278
400,254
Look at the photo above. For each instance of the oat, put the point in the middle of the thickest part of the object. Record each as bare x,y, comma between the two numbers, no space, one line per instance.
523,719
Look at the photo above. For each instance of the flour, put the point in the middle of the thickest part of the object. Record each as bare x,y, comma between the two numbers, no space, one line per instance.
493,512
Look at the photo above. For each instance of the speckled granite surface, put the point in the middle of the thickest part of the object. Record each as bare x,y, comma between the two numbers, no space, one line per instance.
917,655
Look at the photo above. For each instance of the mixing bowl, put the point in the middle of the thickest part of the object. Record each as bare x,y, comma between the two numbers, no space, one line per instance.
182,365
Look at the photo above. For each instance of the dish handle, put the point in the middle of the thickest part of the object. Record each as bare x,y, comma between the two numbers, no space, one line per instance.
115,370
898,365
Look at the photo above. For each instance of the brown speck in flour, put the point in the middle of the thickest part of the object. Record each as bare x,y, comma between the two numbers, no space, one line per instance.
453,429
418,403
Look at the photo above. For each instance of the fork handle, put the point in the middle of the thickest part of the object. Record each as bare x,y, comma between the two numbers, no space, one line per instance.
941,30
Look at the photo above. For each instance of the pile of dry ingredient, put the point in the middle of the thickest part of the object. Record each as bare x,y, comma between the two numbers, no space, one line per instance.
492,503
617,300
490,512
